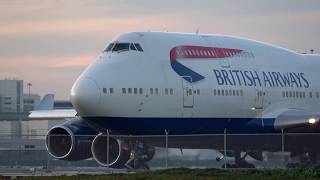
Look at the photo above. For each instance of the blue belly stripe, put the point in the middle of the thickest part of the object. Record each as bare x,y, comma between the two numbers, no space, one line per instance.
177,126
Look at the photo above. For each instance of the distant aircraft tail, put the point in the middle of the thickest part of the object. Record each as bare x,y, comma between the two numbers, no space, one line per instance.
46,103
45,110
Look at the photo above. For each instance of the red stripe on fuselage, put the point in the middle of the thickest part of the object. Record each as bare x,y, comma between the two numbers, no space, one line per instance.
201,52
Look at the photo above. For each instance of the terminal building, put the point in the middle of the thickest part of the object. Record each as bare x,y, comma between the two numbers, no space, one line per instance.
14,104
21,139
11,96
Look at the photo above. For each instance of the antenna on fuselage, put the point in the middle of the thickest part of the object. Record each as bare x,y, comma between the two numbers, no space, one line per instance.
311,51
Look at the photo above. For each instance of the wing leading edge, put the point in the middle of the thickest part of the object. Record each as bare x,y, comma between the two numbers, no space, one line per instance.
45,110
293,118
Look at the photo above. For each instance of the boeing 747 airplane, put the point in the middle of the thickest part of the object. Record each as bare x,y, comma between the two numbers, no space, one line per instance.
153,83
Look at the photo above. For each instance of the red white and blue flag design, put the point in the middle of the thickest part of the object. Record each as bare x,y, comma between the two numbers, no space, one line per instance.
198,53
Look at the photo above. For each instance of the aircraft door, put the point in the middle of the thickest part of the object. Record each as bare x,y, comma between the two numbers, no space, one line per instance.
188,97
259,98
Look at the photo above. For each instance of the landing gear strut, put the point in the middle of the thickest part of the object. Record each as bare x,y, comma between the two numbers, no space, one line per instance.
307,160
240,162
139,156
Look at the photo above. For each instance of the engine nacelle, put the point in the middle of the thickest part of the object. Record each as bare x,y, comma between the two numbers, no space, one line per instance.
71,141
119,151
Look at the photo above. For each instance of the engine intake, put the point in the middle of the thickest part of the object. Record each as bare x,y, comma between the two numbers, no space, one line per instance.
119,151
59,142
70,141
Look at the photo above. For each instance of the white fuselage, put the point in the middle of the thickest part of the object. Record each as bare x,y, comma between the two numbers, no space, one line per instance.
257,82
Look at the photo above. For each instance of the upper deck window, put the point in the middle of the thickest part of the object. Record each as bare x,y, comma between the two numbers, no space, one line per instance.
120,47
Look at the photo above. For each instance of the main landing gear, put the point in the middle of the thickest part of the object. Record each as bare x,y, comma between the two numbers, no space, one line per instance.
139,156
240,161
306,160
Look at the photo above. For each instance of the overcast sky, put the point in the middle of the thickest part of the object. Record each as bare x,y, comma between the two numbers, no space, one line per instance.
49,43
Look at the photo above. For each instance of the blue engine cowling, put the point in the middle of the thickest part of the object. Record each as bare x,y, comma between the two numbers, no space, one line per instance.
71,141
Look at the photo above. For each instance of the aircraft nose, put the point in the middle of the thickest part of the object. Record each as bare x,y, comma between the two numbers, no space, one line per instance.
85,96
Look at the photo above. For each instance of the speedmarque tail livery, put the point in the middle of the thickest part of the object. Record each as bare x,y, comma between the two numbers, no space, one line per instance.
152,83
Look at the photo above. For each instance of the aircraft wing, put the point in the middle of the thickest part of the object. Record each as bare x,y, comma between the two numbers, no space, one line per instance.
293,118
53,114
45,110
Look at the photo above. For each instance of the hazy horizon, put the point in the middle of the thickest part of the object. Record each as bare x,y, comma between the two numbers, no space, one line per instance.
49,43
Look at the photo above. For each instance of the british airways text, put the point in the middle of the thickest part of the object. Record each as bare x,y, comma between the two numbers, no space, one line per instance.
262,78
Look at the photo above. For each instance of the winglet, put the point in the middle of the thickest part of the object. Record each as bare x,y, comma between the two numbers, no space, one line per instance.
46,103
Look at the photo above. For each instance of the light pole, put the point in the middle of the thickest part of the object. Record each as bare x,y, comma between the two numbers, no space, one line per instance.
29,87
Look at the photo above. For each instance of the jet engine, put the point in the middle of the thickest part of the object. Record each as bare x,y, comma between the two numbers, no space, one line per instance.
122,153
71,141
119,151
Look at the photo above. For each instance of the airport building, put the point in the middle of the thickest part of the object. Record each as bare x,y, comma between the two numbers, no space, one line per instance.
22,140
30,102
14,103
11,96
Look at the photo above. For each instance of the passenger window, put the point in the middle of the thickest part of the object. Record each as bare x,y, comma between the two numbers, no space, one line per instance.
222,92
234,92
156,91
129,90
171,91
151,90
104,90
218,92
111,90
214,92
238,93
138,47
140,91
135,90
310,94
166,91
123,90
226,92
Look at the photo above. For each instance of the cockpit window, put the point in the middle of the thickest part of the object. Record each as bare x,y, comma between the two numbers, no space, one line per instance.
138,47
109,47
120,47
132,47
